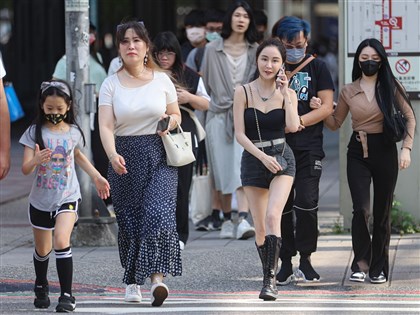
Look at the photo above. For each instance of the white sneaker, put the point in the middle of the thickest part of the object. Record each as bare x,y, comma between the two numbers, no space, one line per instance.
158,293
244,230
227,229
181,245
132,293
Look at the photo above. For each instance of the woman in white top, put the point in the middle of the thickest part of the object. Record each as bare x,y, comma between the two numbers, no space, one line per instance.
131,102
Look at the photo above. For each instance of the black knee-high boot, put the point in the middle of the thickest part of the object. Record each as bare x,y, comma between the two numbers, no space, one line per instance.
269,254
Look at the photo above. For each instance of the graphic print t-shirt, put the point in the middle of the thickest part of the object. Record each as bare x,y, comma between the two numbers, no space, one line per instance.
311,79
55,182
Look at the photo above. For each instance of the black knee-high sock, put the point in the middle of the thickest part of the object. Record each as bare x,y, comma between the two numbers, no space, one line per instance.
41,268
64,262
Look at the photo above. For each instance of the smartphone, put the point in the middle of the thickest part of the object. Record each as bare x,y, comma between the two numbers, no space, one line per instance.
163,124
280,75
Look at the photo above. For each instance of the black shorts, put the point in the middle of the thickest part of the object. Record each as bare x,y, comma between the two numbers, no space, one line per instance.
45,220
254,173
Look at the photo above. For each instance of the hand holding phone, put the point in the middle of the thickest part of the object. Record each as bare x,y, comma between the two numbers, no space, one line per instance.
163,124
281,79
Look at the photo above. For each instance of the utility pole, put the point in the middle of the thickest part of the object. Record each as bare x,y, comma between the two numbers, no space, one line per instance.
77,58
92,229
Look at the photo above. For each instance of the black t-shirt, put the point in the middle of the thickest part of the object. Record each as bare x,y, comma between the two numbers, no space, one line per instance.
189,80
312,78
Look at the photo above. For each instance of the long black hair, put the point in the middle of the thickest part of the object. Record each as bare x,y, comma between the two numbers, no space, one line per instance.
61,90
387,87
168,41
251,33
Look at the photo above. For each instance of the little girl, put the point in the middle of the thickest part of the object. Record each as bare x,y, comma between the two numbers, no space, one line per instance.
51,148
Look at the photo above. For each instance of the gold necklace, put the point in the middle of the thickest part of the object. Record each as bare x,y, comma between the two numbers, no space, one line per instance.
265,99
134,76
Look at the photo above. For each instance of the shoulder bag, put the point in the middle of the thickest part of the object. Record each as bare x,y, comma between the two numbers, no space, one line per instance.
178,148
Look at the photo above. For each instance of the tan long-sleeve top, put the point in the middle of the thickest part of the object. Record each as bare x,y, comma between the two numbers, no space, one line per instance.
366,115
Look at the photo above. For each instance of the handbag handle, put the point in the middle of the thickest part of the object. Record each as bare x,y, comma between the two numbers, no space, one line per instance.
258,125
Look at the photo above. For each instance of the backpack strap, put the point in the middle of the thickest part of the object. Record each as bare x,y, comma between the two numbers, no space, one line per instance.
198,58
290,74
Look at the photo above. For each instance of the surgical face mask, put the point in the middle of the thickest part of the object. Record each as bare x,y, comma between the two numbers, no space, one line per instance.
369,67
211,36
195,34
295,54
55,118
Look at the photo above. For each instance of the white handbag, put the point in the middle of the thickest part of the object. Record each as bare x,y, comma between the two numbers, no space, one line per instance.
178,148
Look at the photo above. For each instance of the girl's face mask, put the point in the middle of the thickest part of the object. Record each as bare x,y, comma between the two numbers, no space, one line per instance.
55,118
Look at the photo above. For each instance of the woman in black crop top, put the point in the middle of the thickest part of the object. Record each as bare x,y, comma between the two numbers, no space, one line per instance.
263,111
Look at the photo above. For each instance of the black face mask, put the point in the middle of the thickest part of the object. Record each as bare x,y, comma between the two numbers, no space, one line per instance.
55,118
369,67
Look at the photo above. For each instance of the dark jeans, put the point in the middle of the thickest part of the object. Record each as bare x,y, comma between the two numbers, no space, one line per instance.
381,168
299,223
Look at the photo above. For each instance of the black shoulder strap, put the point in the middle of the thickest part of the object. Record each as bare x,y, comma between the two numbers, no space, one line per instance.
246,96
199,57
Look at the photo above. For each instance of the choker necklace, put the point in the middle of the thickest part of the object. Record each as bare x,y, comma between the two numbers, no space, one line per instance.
134,76
264,99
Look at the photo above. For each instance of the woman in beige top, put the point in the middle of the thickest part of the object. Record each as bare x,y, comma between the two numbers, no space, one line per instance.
372,154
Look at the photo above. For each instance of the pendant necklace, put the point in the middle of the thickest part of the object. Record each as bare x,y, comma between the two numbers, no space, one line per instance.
265,99
134,76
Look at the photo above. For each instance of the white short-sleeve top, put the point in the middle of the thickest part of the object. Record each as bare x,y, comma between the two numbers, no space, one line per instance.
2,71
137,110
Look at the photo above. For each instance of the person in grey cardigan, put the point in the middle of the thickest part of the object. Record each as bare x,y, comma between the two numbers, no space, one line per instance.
227,63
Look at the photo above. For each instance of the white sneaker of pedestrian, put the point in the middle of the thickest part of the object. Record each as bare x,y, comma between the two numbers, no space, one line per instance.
244,230
132,293
181,245
227,229
159,292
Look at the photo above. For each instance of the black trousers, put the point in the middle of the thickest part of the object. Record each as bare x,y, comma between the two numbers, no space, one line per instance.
299,223
185,174
381,168
182,201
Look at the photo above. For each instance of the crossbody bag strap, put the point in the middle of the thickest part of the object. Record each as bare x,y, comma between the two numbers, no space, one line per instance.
290,74
256,118
258,125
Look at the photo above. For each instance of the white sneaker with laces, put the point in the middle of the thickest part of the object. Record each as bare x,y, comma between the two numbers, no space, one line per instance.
227,229
244,230
132,293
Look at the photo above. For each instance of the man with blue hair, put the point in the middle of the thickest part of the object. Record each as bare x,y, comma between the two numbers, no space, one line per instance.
314,86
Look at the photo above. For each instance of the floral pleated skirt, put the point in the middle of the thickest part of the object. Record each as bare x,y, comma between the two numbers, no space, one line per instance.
144,201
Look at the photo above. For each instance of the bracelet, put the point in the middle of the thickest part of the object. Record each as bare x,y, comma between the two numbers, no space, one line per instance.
112,155
301,121
176,123
406,148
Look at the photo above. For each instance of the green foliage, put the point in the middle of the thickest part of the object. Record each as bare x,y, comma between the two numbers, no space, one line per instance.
338,227
402,222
